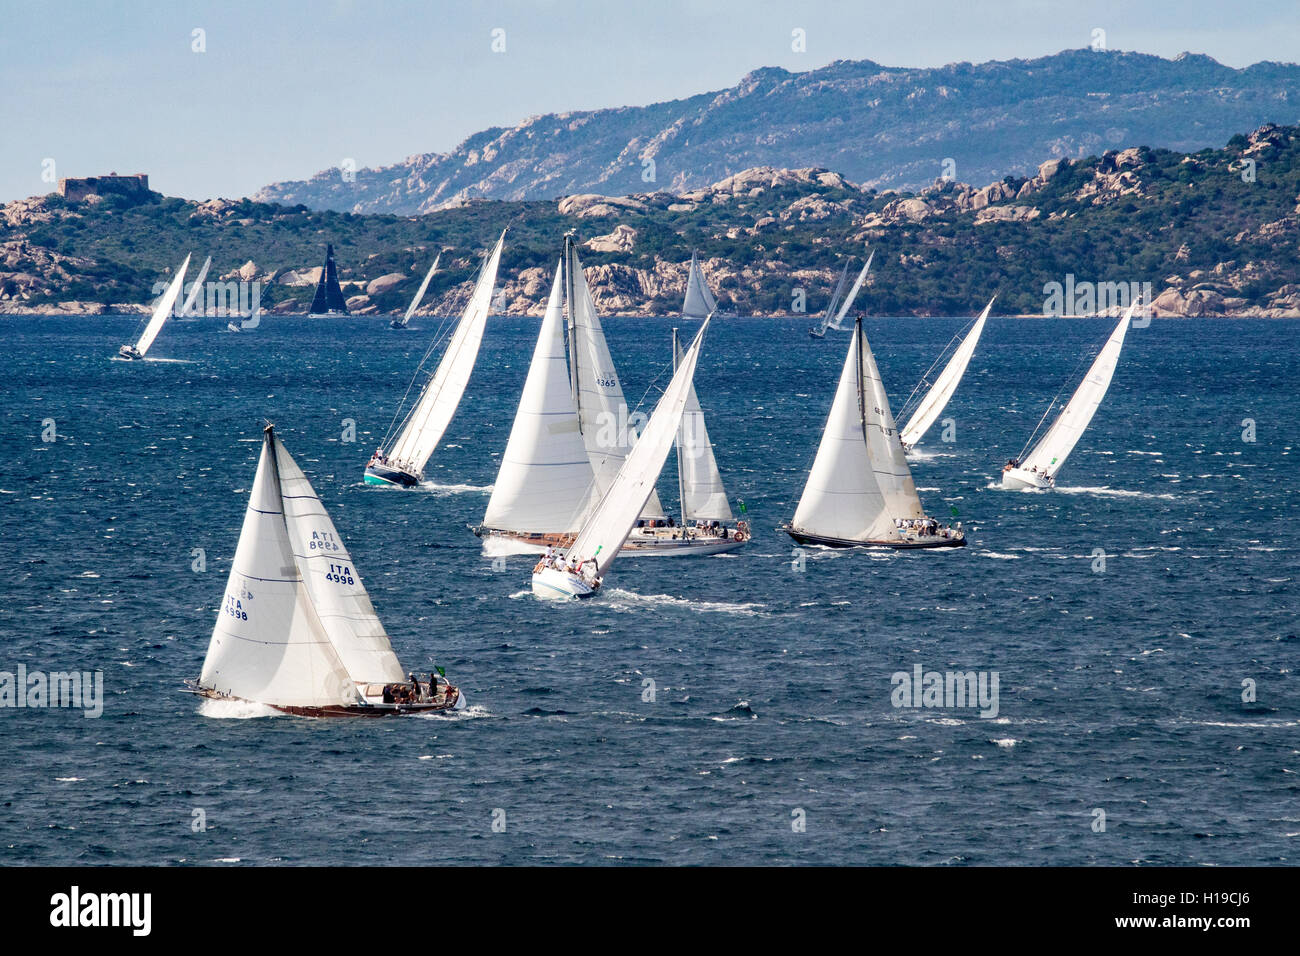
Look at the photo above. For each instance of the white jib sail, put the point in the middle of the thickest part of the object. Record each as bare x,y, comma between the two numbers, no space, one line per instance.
700,302
853,292
888,463
841,498
163,309
703,495
603,534
546,483
332,581
269,645
441,395
932,406
1051,451
607,427
196,290
419,294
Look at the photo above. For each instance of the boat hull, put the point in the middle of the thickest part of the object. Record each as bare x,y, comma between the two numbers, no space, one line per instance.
329,315
454,700
912,543
551,584
1017,479
377,474
129,353
636,546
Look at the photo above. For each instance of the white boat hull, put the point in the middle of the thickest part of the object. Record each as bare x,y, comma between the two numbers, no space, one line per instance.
1018,479
554,585
641,543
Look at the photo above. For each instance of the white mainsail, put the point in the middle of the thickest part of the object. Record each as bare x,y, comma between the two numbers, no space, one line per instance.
702,493
853,292
441,395
163,309
607,431
196,290
269,645
932,405
419,294
609,525
699,302
332,582
545,483
1052,450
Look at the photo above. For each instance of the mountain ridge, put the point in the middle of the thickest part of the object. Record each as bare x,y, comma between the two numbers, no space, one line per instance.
883,127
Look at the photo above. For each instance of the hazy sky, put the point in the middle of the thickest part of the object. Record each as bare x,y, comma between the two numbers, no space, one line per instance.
285,89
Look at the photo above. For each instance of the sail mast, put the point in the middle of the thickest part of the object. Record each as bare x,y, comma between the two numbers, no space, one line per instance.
570,303
681,482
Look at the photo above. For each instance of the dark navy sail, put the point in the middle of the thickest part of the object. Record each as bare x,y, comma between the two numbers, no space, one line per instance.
329,297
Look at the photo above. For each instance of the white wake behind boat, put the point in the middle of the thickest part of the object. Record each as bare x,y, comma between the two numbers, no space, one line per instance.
580,571
160,315
296,630
860,490
401,461
1038,469
405,320
936,399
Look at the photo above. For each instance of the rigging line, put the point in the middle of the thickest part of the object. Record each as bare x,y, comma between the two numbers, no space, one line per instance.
961,334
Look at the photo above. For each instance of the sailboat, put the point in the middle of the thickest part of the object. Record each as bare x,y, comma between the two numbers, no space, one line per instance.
296,630
160,313
837,310
571,434
419,295
705,510
580,571
860,490
328,301
401,461
1038,468
699,302
196,290
932,404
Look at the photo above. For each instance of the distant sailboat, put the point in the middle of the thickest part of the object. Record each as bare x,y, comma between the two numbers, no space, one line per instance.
571,434
581,570
296,630
402,461
328,301
934,401
419,295
837,309
1038,468
699,303
196,290
160,313
860,489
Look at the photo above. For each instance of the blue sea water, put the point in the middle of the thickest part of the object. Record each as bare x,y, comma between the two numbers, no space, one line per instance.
1121,690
